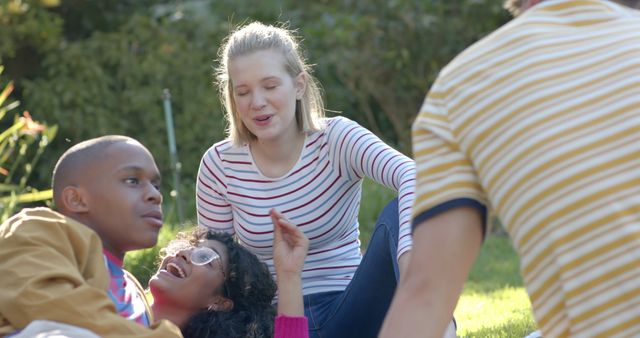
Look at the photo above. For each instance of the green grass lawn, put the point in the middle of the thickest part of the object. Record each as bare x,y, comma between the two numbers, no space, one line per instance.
494,303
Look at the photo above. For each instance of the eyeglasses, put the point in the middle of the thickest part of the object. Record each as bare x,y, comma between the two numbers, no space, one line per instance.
204,255
201,255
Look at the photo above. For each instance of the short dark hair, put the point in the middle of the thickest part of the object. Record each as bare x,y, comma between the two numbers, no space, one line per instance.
76,158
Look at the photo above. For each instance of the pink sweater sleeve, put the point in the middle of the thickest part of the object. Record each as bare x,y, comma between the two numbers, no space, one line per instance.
291,327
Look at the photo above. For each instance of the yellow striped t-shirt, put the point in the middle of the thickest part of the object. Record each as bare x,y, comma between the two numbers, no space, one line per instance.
540,123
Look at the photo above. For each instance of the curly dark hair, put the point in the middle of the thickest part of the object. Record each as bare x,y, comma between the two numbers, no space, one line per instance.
248,284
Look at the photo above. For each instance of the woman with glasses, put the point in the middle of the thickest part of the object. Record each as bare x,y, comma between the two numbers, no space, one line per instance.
211,286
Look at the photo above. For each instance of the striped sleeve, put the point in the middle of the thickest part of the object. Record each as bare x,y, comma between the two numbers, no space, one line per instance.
361,153
214,211
445,177
546,111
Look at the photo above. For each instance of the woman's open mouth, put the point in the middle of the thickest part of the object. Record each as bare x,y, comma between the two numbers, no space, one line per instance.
262,119
175,270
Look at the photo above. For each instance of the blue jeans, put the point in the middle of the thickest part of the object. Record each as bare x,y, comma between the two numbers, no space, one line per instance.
359,310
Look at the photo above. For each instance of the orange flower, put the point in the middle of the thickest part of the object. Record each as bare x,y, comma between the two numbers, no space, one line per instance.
31,127
4,171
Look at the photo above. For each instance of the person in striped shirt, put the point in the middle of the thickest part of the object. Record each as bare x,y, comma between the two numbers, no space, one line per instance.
281,153
539,122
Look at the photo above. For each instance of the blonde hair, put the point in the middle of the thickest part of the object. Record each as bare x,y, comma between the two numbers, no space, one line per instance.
255,37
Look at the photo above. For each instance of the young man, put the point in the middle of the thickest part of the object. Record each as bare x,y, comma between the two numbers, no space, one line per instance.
539,122
106,191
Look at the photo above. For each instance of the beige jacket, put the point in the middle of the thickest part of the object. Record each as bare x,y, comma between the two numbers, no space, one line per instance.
52,268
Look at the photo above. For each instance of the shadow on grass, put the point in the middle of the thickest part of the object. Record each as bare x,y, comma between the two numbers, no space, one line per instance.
497,266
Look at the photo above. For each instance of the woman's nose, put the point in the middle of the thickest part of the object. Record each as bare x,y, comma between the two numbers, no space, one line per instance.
258,101
185,254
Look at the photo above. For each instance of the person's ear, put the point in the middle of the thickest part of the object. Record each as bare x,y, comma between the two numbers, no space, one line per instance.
300,82
73,200
530,3
221,304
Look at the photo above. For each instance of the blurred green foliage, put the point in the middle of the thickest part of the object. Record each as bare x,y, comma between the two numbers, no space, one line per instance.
22,142
144,263
374,198
99,67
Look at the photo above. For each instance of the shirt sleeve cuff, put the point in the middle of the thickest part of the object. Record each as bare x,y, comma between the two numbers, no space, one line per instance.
452,204
291,327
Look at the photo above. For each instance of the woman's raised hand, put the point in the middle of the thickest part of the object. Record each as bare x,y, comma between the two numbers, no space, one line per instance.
290,245
290,248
